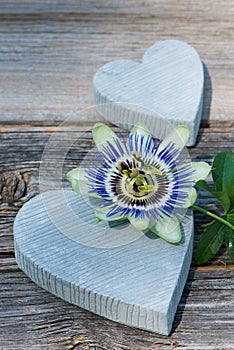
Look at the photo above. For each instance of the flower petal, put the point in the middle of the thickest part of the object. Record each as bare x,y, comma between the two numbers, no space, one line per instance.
101,214
191,199
144,137
101,134
139,223
178,136
77,178
168,229
201,170
140,128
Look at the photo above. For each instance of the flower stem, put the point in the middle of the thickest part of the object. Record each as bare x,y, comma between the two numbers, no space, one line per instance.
216,217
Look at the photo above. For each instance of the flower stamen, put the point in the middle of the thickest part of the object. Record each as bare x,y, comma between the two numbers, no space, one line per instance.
146,188
134,173
126,173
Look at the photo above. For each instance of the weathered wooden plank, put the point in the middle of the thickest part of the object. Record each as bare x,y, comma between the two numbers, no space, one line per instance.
50,51
32,316
21,153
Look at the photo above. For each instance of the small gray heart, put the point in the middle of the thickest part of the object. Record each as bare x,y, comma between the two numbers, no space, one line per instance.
165,90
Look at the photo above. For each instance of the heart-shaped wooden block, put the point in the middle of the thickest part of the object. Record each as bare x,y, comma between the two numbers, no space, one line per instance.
163,91
108,268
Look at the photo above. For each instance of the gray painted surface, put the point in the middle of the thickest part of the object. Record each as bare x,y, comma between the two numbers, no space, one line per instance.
137,282
165,90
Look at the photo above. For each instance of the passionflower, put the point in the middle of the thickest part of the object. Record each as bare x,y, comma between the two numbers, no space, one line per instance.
143,180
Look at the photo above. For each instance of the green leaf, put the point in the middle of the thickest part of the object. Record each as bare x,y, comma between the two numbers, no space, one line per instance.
223,173
229,236
221,196
210,242
231,250
230,218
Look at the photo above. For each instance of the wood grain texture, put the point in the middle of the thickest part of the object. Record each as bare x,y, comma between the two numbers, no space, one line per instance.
49,52
31,317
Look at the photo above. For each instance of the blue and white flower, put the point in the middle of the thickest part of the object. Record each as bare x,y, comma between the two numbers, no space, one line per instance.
146,181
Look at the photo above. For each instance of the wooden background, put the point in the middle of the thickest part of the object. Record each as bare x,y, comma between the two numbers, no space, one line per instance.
49,52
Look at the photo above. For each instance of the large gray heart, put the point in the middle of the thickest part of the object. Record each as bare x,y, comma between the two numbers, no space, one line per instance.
165,90
127,276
